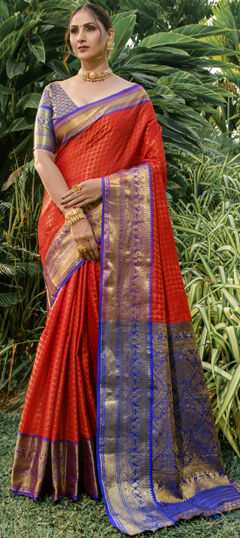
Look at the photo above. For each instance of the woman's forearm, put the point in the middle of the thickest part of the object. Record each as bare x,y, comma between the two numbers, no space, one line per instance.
51,176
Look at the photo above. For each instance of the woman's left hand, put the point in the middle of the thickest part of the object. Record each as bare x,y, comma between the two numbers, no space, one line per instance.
91,190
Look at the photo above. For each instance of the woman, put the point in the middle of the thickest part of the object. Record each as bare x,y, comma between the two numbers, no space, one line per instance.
117,362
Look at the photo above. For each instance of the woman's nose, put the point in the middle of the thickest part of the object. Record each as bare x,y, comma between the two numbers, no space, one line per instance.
81,36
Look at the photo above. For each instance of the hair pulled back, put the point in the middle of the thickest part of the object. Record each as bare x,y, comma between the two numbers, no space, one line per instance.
98,12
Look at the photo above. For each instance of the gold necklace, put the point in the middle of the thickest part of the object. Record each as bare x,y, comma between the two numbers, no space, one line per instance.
91,76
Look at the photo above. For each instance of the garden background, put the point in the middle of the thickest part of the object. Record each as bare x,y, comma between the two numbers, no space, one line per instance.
186,54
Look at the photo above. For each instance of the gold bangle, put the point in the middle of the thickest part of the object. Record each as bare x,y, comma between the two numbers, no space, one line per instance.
74,211
74,215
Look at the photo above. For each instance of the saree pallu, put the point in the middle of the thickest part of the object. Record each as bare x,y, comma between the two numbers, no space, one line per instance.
117,400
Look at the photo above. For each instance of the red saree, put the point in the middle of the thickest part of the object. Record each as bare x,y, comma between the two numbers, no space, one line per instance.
117,402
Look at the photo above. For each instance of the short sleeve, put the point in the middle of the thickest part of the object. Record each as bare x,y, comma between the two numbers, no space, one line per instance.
44,136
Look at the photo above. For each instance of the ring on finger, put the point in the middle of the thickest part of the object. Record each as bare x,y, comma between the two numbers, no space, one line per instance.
82,250
76,189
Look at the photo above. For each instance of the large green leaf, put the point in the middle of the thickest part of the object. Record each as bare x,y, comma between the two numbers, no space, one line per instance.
201,30
145,79
180,128
150,68
34,75
58,68
181,82
11,42
166,38
36,46
6,46
224,17
19,124
4,9
30,100
122,15
57,10
123,30
173,38
13,69
233,385
7,27
5,90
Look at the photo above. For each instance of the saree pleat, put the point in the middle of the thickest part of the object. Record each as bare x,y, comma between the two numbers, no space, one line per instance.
117,403
60,406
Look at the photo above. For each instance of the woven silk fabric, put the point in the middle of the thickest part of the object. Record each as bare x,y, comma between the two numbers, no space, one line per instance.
117,362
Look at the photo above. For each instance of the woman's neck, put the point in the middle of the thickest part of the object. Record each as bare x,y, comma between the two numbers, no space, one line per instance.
96,66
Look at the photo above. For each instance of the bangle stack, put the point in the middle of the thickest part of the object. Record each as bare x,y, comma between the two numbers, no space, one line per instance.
74,215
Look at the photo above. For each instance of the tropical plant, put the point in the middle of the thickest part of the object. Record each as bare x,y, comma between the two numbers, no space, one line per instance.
207,235
165,15
22,297
31,33
226,14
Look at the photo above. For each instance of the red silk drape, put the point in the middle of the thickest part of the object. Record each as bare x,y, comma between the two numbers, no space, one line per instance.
61,398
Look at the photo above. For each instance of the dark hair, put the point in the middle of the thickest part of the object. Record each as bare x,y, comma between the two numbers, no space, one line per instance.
99,13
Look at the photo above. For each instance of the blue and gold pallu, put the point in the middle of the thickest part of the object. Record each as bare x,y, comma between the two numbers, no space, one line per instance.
158,453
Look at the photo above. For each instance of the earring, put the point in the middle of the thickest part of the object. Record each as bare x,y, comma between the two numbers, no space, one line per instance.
109,47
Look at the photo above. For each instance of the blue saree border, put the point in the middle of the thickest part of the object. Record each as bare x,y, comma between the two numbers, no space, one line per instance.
99,364
26,494
151,341
151,355
37,499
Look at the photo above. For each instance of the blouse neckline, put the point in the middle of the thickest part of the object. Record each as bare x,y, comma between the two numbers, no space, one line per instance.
98,100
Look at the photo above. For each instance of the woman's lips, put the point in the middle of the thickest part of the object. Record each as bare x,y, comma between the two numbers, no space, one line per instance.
83,48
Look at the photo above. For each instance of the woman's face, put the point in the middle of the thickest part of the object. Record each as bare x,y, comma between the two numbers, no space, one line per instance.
88,37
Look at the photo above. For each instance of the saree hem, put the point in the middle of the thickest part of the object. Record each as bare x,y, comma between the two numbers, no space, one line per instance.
72,497
60,468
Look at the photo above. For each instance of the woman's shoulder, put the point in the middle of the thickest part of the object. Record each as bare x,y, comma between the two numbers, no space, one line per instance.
52,91
123,84
48,90
52,85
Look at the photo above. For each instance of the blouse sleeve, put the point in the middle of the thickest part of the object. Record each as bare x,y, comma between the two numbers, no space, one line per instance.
44,136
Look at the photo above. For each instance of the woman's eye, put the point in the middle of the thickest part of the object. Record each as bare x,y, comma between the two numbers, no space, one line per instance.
91,27
73,30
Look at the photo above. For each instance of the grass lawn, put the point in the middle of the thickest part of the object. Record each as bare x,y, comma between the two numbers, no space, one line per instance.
23,517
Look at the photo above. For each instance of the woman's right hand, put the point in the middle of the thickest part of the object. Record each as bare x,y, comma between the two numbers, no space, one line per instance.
83,235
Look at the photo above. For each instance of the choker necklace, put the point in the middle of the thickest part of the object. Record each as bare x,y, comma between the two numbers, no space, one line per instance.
94,77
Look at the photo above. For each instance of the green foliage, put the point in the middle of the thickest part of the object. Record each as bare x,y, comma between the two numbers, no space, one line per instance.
183,90
166,15
22,297
206,227
226,15
31,35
